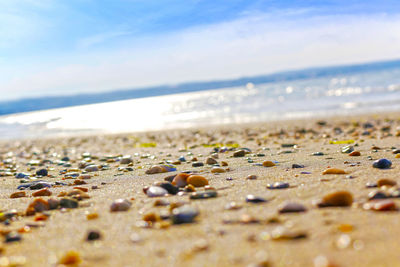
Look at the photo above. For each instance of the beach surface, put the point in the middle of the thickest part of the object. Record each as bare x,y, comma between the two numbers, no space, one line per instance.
228,230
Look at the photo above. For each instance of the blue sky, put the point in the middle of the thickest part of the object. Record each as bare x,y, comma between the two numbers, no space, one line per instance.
54,47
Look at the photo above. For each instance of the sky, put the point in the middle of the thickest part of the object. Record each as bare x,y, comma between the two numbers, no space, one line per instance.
58,47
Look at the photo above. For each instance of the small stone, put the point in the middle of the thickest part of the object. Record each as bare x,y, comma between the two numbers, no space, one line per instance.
53,203
347,149
382,164
268,163
42,193
282,233
386,182
160,169
197,180
126,159
233,206
396,151
189,188
239,153
251,177
93,235
211,161
218,170
39,205
371,184
278,185
197,164
18,194
317,154
92,216
69,203
91,168
204,195
42,172
120,205
377,195
71,258
151,217
156,191
38,185
255,199
292,207
380,205
355,154
13,237
333,171
297,166
337,199
171,189
180,180
184,214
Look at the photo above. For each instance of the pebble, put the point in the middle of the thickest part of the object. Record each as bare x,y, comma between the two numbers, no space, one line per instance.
337,199
347,149
69,203
156,191
380,205
297,166
53,203
126,159
333,171
184,214
377,195
120,205
218,170
171,189
42,172
318,154
42,193
22,175
233,206
386,182
278,185
292,207
197,180
255,199
160,169
355,154
239,153
93,235
251,177
197,164
71,258
91,168
38,205
18,194
204,195
268,163
180,180
13,237
382,164
211,161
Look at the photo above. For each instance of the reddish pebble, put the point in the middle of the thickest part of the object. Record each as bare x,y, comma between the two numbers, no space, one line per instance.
42,193
380,205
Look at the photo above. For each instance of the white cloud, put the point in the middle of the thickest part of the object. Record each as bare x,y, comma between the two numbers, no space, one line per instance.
252,45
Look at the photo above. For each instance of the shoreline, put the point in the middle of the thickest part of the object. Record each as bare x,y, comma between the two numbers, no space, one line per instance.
245,233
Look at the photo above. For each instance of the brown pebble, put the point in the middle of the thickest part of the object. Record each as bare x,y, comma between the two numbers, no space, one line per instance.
337,199
355,154
71,258
387,182
292,207
333,171
380,205
251,177
42,193
197,180
18,194
120,205
79,182
151,217
224,163
180,180
211,161
218,170
268,163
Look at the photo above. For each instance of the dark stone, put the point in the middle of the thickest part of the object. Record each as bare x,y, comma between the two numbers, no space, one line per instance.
93,235
197,164
69,203
382,164
173,190
297,166
13,237
42,172
239,153
254,199
318,154
184,214
377,195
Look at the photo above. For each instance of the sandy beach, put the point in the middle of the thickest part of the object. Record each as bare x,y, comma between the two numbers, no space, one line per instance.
231,229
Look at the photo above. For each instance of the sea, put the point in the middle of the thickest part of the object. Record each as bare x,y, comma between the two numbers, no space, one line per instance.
319,94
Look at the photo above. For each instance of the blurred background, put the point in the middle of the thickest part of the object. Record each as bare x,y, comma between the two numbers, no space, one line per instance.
83,66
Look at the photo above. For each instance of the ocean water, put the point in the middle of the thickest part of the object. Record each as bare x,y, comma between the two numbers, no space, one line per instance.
338,94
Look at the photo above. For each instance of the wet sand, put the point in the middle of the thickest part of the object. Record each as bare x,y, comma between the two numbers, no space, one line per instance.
332,236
